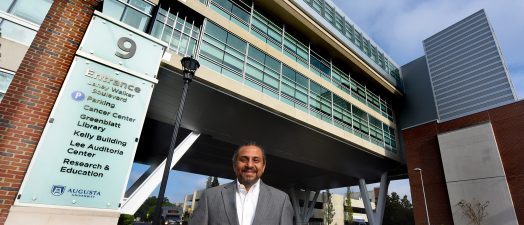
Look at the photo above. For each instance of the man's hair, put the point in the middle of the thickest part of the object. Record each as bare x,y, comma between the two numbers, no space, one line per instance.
251,143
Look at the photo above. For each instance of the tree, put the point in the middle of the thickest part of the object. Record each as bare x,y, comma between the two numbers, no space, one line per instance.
398,211
126,219
329,211
147,209
475,211
209,182
348,209
215,183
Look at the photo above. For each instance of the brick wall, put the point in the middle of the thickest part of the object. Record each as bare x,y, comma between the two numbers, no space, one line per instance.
508,126
30,98
422,151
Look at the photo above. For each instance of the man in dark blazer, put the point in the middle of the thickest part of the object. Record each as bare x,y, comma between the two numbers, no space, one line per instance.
247,200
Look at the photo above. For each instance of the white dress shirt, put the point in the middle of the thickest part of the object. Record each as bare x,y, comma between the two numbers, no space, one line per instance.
246,202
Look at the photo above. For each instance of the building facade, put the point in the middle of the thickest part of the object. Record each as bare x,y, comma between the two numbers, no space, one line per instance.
320,94
460,128
297,76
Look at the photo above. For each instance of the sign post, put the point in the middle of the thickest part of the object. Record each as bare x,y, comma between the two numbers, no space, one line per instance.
86,151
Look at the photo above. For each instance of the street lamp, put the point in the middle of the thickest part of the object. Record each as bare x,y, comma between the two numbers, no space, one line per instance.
423,193
190,66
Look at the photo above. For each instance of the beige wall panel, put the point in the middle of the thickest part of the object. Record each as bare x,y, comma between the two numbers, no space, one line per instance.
12,54
21,215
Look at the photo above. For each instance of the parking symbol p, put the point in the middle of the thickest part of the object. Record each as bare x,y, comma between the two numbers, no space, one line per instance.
78,96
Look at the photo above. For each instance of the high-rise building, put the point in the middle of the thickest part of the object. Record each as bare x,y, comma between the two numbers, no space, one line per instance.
461,128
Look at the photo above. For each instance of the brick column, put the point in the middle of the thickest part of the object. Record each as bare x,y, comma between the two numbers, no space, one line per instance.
28,102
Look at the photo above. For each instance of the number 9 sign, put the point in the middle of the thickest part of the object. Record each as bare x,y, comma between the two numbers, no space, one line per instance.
127,51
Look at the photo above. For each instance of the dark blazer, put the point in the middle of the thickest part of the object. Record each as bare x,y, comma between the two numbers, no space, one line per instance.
217,206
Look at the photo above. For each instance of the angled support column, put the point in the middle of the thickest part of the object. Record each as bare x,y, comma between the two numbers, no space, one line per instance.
305,207
365,199
312,206
375,218
296,205
144,189
304,213
381,203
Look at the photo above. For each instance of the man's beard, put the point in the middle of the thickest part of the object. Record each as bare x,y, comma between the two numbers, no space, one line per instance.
249,179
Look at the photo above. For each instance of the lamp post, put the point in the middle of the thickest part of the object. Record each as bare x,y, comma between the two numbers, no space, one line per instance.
189,65
423,192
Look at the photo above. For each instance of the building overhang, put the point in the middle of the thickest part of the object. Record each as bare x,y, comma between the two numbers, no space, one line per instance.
297,155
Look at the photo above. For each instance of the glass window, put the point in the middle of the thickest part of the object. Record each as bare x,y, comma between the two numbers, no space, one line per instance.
212,52
5,80
374,54
5,4
342,112
320,101
234,10
215,31
135,18
294,88
296,50
329,13
267,31
341,80
225,58
26,9
178,32
365,46
339,22
256,54
135,13
317,6
320,67
349,32
236,43
114,8
264,69
17,32
358,39
141,5
360,122
224,3
272,63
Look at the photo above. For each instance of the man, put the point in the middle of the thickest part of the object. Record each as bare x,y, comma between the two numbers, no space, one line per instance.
247,200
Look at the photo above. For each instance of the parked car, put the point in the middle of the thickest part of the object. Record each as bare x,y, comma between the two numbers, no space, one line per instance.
173,220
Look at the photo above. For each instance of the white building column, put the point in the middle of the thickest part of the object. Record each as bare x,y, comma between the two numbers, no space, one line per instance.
304,213
375,218
151,179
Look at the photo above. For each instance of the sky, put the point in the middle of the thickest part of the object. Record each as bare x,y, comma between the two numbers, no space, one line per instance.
399,27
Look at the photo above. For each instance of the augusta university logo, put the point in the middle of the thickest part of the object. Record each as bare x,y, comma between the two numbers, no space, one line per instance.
57,190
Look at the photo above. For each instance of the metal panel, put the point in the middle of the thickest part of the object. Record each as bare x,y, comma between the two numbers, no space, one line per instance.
466,69
418,106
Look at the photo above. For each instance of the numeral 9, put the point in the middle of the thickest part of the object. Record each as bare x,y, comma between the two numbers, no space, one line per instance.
128,51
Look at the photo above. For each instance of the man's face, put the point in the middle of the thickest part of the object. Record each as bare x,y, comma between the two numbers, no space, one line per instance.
249,165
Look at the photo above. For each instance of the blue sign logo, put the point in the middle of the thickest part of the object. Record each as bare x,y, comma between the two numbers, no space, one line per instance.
57,190
78,96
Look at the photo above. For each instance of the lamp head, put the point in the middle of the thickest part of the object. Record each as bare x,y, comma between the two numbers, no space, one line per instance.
190,66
